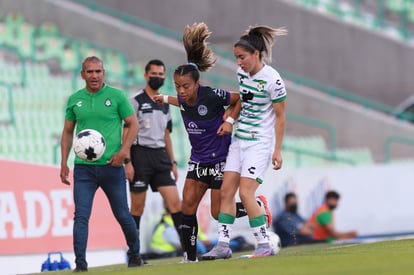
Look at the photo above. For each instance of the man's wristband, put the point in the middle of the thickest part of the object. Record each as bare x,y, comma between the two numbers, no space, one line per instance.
230,120
165,99
127,160
174,162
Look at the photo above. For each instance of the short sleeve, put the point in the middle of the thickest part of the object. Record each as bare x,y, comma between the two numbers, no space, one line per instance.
277,89
125,106
223,96
69,114
324,218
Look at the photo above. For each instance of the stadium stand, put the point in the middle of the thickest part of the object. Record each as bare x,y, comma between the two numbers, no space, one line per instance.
394,17
51,74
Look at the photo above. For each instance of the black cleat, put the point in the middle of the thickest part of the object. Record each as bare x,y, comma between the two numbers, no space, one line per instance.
80,268
135,261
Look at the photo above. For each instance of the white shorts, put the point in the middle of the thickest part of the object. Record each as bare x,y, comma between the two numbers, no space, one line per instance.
249,158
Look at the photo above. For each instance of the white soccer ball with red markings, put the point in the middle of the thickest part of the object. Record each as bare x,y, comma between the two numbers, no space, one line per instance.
89,145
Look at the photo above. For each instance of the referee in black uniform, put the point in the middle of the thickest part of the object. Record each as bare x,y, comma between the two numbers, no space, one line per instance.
152,159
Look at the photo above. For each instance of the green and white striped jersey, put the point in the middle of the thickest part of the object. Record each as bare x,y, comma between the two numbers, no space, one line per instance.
257,93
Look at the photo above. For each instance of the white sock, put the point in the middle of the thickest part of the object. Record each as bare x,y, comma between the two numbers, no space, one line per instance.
260,233
224,231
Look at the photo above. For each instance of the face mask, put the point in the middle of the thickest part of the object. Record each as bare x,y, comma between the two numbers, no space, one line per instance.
155,82
293,208
332,207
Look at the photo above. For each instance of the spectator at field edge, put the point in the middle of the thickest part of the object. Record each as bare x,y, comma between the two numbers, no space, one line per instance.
323,221
290,226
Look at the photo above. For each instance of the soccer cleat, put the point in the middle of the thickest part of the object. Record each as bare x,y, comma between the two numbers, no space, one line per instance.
263,250
80,268
265,207
220,251
135,261
185,259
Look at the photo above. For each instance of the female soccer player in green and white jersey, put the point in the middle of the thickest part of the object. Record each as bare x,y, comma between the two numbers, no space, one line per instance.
261,125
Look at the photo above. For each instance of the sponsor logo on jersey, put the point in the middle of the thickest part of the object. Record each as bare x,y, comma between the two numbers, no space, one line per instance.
146,106
279,82
192,125
202,110
108,102
79,103
192,128
247,96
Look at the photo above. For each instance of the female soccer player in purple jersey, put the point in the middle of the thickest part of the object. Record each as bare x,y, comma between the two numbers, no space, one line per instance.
202,110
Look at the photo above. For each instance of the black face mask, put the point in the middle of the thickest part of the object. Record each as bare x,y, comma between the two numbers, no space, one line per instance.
332,207
293,208
155,82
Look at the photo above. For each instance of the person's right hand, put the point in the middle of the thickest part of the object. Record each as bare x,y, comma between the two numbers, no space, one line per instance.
352,234
159,99
64,174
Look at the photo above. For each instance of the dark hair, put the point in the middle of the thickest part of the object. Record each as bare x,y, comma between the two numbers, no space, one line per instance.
288,196
332,195
155,62
260,38
92,59
199,56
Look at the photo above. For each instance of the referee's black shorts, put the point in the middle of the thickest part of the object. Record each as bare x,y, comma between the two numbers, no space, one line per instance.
152,167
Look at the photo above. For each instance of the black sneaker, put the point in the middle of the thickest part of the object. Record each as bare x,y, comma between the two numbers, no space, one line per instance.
80,268
135,261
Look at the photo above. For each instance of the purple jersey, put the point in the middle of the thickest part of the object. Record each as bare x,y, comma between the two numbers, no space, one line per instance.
202,121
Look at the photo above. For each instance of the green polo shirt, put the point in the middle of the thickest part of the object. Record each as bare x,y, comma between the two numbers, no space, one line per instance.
102,111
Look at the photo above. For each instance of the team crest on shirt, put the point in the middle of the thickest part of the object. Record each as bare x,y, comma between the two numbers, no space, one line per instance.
260,86
108,102
202,110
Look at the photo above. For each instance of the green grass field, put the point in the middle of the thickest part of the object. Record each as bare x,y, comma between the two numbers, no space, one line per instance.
387,257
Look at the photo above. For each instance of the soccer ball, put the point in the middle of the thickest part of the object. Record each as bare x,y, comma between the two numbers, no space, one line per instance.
89,145
274,241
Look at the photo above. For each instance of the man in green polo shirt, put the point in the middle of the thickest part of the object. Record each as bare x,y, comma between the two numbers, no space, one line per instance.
104,109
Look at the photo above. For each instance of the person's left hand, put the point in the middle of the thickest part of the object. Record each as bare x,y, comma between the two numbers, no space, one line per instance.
277,160
226,128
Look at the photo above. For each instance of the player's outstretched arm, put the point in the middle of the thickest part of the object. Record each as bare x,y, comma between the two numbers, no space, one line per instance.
166,99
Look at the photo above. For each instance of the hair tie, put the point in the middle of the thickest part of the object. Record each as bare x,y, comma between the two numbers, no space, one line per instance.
193,64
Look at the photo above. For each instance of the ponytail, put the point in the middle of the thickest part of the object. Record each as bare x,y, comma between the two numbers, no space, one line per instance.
260,38
199,56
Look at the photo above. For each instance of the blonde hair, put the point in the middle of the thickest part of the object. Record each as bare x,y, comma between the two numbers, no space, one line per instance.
196,46
260,38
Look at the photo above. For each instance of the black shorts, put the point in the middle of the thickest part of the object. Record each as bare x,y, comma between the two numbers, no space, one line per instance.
152,167
211,174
